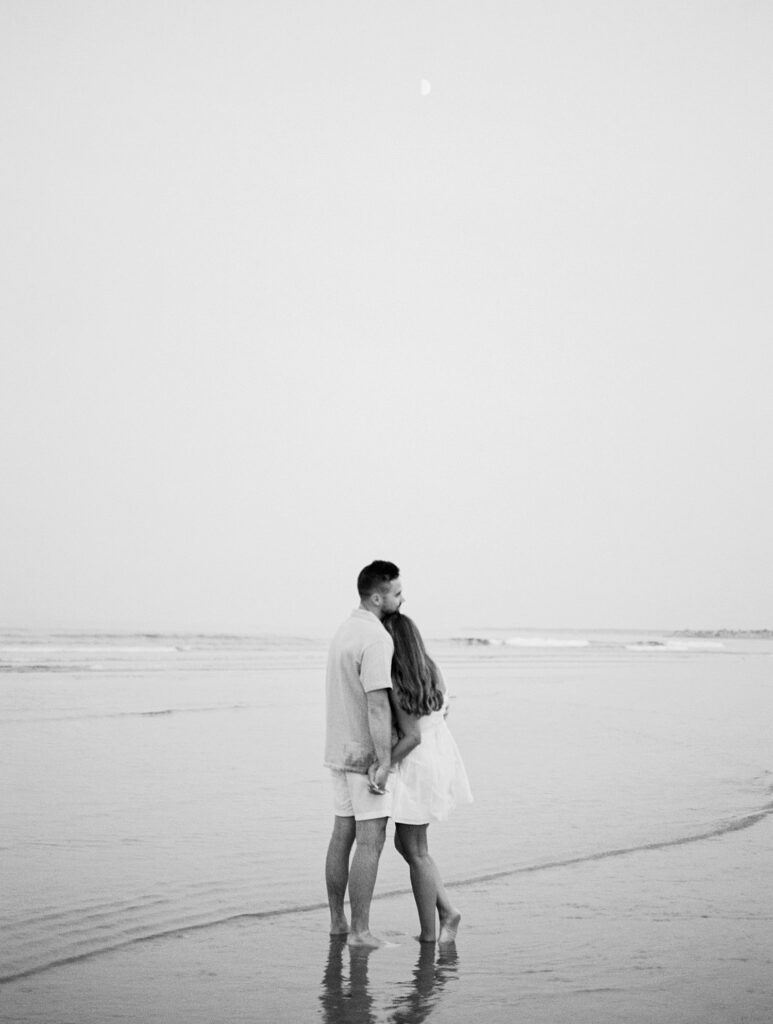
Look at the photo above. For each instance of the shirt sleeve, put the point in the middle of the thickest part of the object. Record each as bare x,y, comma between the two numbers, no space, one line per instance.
376,667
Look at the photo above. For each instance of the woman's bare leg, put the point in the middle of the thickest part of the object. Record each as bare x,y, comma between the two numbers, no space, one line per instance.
428,889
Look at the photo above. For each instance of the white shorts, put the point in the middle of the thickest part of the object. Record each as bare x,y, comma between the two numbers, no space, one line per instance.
352,797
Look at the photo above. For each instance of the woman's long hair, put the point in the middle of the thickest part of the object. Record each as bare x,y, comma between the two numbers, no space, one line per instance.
415,676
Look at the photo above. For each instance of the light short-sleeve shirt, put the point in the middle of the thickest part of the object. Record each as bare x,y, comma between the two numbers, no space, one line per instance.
359,661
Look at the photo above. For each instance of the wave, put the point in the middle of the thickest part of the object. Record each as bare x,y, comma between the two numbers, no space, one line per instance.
20,669
721,828
676,645
475,641
172,711
84,649
520,641
24,642
153,713
549,641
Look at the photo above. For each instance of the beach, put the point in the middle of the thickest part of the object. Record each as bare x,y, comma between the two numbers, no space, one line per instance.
166,818
676,936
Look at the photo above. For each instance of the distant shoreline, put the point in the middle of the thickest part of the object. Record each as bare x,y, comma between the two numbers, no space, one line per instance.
469,634
727,634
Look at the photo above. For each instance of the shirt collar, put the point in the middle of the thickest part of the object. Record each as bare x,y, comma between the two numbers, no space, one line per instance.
363,613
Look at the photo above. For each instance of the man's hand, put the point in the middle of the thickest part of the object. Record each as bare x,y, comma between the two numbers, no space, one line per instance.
377,778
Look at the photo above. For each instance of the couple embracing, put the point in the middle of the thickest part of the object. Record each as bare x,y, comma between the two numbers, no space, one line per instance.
391,755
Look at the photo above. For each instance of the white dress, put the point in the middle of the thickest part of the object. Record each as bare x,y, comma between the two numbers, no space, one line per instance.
430,781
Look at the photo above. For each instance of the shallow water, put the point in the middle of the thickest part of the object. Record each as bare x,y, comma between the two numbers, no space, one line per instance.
154,785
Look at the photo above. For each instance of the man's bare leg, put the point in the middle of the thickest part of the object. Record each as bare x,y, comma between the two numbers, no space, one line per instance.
362,878
337,872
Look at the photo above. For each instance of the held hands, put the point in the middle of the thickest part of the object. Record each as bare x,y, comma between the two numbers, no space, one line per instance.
377,778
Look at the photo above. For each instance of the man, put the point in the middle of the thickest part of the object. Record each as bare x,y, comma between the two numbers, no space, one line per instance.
358,748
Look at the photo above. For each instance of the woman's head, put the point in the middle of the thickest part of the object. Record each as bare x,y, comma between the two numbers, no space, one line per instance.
415,675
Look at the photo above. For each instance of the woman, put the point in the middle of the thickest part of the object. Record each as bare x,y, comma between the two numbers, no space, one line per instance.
429,779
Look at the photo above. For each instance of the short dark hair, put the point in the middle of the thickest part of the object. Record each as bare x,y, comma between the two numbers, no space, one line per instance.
376,576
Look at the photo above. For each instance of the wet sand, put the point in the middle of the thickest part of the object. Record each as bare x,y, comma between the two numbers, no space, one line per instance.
683,934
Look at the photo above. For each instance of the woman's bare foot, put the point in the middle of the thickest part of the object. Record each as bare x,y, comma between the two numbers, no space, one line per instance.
339,926
449,926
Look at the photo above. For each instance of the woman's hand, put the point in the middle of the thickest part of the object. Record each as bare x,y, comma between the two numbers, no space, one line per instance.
377,778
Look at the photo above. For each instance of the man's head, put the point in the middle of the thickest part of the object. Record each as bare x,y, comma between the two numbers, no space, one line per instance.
380,588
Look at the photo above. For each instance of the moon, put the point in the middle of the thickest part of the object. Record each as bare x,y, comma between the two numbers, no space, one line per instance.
425,87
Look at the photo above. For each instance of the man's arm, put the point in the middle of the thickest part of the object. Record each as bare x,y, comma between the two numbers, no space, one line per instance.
380,725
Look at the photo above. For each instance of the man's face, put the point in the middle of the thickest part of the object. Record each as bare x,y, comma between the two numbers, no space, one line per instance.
392,598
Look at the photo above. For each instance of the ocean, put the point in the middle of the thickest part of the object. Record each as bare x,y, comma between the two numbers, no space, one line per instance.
157,787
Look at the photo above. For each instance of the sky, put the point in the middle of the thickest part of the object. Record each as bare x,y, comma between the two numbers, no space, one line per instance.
272,308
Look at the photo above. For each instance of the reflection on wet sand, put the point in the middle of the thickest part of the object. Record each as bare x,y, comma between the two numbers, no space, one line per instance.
429,978
352,1002
349,1000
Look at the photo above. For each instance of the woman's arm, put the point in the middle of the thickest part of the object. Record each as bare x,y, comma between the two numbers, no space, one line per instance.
407,727
443,688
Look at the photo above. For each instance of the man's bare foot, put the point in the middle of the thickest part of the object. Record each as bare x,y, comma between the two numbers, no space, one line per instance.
449,926
364,940
339,926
